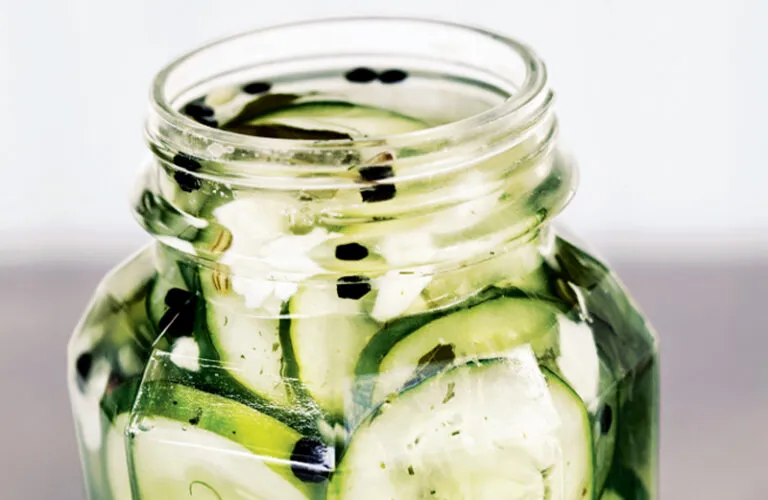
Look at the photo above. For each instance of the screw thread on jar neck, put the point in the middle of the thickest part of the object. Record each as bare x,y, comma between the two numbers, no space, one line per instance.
459,189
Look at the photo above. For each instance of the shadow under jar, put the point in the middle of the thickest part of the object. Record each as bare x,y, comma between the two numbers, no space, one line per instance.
354,290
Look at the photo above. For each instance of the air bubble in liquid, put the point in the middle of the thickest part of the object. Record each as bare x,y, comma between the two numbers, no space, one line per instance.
301,220
144,425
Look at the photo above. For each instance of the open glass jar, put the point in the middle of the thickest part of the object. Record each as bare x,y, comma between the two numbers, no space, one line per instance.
354,290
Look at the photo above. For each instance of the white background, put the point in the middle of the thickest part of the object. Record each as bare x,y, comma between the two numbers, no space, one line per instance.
663,103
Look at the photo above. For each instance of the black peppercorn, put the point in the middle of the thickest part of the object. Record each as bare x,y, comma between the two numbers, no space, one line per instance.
361,75
176,297
187,182
351,251
257,88
352,287
393,76
197,109
310,460
186,162
376,172
606,419
379,192
83,365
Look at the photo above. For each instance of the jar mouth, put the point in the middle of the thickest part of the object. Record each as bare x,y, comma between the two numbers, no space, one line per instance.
170,129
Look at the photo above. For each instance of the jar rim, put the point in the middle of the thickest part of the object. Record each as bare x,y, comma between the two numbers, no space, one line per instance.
527,101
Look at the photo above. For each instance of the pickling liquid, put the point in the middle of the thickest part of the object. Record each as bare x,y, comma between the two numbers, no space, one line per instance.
204,369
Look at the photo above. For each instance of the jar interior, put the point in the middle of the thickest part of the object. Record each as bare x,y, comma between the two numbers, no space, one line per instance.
465,158
429,91
490,68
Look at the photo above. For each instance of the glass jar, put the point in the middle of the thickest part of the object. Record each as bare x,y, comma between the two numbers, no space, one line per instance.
384,315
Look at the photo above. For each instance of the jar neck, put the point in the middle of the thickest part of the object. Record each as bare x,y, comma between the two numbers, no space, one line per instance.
444,220
448,195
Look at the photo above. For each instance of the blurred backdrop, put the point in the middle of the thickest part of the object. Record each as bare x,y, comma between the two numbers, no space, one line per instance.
663,104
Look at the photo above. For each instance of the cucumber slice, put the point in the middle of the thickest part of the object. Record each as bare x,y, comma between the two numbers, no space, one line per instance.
490,329
341,117
395,243
399,294
489,429
116,459
256,218
182,463
604,426
118,400
457,200
520,267
576,481
261,227
246,340
327,256
179,200
611,495
327,335
171,304
578,362
185,442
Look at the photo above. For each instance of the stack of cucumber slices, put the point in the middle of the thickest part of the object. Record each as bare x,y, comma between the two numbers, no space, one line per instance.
363,378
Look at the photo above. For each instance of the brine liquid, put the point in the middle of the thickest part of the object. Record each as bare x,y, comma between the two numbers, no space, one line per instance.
426,99
166,340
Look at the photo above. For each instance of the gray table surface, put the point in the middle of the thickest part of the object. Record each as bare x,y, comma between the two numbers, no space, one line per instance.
714,413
